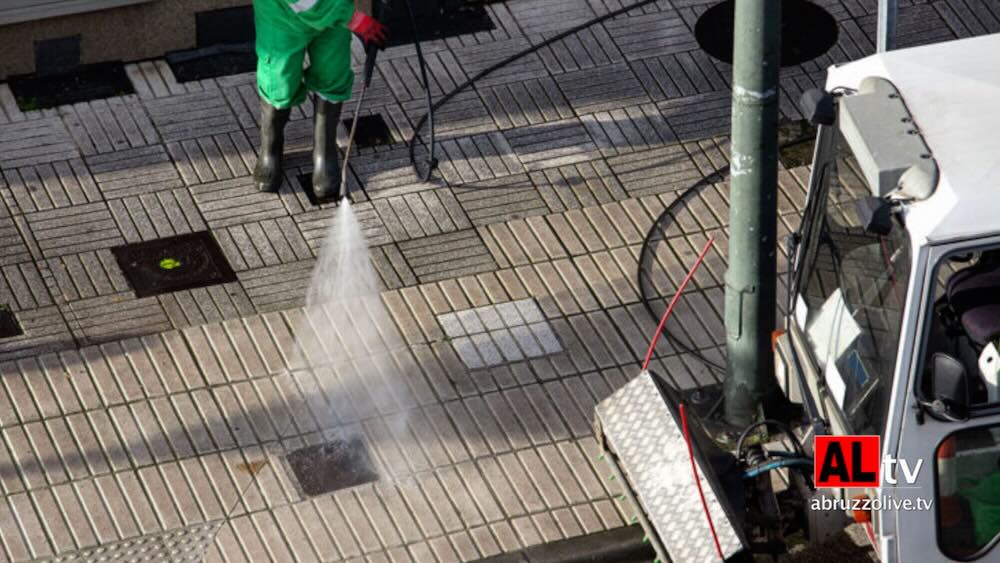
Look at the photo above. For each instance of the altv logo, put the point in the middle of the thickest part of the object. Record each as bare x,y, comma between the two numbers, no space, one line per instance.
855,461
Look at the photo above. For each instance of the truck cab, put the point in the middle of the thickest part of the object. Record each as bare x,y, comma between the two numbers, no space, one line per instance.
894,324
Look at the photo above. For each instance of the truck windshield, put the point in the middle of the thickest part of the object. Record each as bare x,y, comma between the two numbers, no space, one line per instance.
852,288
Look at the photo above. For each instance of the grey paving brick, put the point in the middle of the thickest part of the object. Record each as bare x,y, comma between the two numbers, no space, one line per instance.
649,35
915,25
550,17
492,201
234,202
392,267
464,114
50,185
447,256
13,248
679,75
74,229
207,304
476,58
190,116
45,330
698,117
580,185
552,144
133,172
420,214
25,143
218,157
277,288
388,173
22,287
966,18
153,79
656,171
602,88
84,275
115,316
526,102
157,215
8,106
402,74
109,125
587,48
628,129
480,157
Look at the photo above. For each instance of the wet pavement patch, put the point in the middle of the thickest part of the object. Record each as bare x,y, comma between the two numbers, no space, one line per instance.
332,466
85,83
9,327
372,131
173,264
807,31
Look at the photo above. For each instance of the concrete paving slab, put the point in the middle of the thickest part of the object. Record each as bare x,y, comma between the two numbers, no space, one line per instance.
160,426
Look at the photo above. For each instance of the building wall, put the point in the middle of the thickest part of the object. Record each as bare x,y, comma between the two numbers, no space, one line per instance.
128,33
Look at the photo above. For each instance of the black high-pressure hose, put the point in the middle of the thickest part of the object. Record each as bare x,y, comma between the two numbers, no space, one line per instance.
660,226
431,162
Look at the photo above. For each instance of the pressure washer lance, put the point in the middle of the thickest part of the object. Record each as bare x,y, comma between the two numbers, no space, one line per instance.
370,52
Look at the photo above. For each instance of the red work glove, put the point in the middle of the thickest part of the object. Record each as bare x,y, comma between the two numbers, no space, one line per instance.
368,29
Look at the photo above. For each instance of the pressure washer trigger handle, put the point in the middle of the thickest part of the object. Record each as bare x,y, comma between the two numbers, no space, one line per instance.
371,51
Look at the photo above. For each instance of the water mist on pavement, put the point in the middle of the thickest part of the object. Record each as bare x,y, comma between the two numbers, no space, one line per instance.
348,338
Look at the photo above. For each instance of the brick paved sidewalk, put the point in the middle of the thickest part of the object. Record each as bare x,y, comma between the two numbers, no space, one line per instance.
156,428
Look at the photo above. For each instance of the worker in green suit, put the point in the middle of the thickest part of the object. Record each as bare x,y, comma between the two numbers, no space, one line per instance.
286,31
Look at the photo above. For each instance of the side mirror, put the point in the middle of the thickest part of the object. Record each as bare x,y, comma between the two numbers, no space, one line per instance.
875,214
949,387
817,106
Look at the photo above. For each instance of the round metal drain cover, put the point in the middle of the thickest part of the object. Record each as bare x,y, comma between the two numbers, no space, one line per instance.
807,31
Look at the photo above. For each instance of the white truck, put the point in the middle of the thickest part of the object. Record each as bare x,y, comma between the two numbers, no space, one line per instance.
893,331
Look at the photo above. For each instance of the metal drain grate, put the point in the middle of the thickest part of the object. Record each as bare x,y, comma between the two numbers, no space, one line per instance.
807,31
372,131
9,326
174,263
332,466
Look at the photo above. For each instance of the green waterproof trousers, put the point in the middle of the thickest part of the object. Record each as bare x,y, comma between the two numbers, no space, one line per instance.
286,31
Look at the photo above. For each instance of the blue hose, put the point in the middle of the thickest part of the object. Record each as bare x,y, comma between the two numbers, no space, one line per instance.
765,467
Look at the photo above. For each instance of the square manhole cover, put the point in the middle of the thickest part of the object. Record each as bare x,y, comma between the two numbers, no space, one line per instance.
372,131
332,466
8,323
173,263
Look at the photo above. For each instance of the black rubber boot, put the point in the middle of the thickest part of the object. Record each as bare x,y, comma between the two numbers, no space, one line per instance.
267,173
326,155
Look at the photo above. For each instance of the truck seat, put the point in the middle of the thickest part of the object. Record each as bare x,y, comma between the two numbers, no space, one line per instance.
974,296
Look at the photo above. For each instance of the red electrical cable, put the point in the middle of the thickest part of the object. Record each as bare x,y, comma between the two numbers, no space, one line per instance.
673,301
697,481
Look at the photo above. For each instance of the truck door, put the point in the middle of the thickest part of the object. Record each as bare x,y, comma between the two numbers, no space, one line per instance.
948,455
